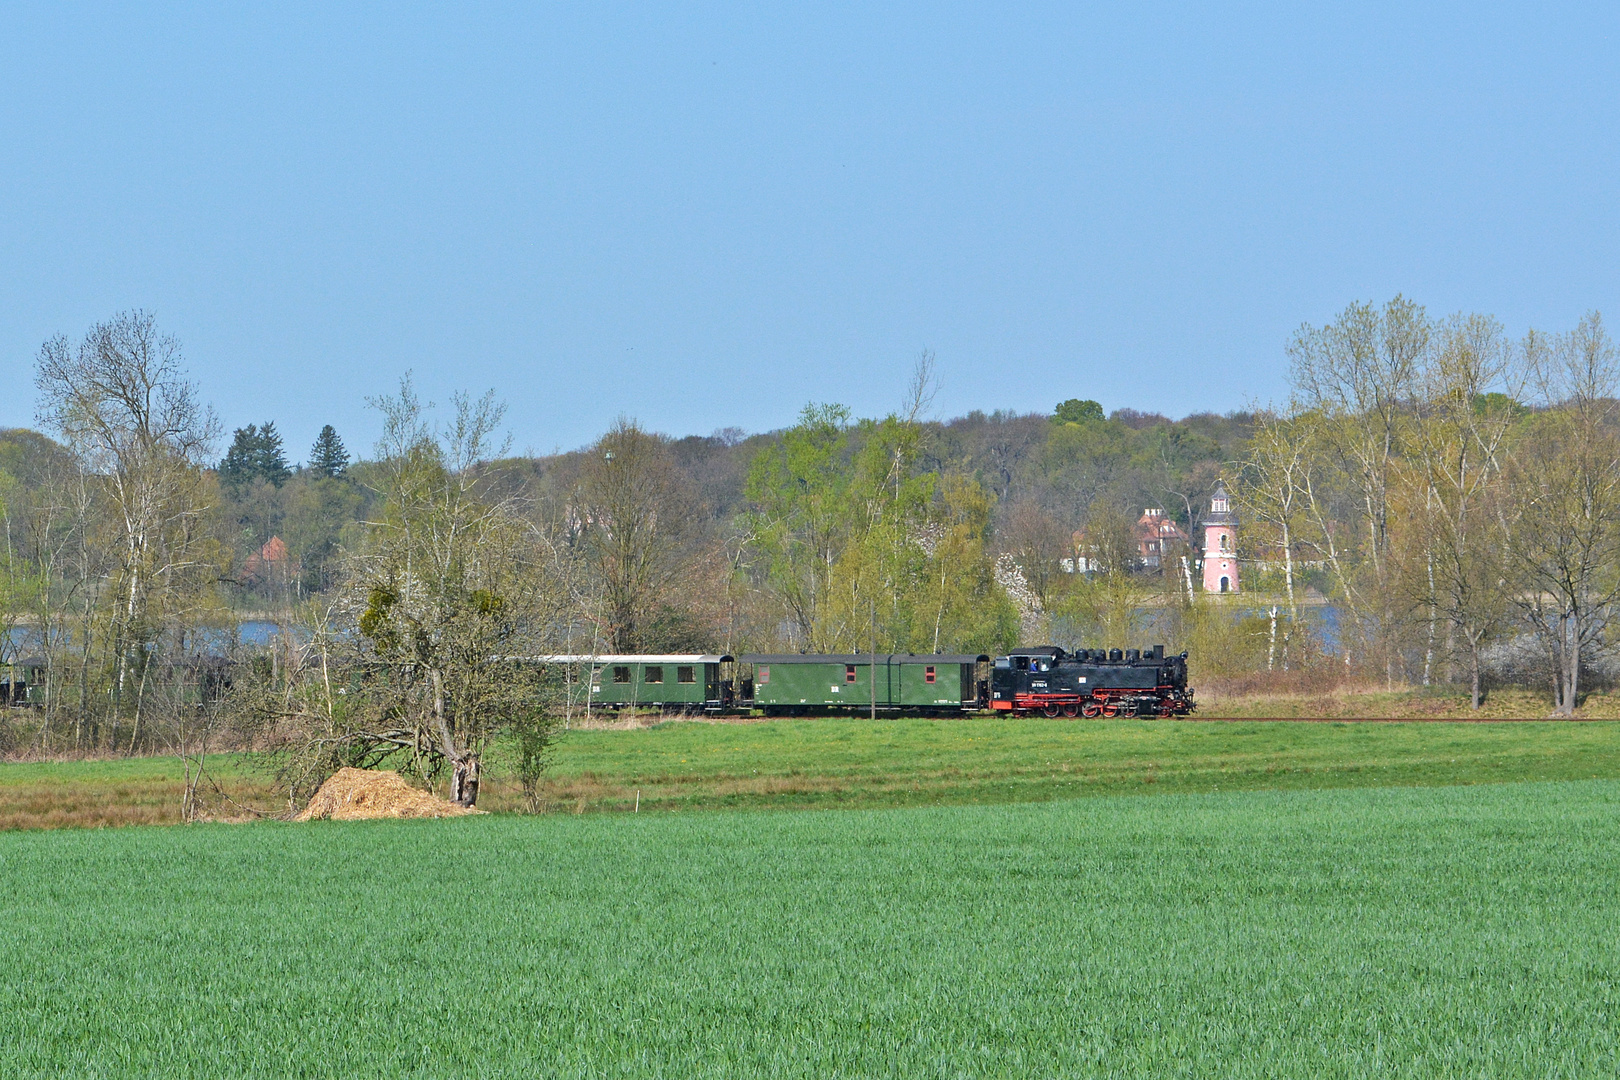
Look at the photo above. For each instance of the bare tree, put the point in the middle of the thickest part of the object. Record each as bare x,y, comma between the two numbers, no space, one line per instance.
1038,544
632,517
921,388
1564,526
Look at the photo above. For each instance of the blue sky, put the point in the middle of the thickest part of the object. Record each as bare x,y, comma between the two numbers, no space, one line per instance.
706,215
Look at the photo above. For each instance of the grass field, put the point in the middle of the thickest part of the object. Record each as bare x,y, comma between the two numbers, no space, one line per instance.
856,763
119,791
908,762
1397,932
1363,701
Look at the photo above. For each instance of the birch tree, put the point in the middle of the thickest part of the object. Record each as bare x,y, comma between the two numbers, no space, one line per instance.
1452,477
1358,374
1273,488
124,405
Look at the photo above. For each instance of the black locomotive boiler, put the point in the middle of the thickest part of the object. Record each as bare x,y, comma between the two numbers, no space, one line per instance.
1091,682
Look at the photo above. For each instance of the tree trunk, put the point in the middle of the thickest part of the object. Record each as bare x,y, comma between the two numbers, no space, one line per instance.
1288,582
463,763
1473,673
1567,655
1428,653
1572,689
464,781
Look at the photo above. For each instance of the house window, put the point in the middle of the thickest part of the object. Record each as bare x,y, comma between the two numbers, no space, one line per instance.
655,675
849,672
685,674
928,674
1223,541
621,674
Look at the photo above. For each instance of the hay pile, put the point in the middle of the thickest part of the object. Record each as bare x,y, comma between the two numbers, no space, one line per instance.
357,794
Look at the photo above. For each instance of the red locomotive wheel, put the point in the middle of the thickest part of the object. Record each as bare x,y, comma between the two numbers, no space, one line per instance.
1110,709
1071,710
1052,710
1091,710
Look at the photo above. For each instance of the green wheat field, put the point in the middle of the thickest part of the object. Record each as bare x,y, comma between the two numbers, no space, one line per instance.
1421,931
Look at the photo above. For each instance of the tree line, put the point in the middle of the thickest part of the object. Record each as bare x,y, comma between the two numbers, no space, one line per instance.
1459,490
1448,491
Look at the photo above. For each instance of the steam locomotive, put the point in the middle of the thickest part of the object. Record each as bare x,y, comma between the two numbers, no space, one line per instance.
1091,683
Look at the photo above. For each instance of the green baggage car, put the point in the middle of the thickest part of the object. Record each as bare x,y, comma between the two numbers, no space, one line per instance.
898,682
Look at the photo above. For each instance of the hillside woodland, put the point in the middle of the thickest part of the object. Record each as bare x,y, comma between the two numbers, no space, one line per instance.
1434,503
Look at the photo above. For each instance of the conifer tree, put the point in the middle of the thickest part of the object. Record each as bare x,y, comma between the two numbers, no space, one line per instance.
272,457
240,467
255,454
328,457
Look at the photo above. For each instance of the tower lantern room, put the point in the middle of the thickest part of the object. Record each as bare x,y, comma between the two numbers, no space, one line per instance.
1220,544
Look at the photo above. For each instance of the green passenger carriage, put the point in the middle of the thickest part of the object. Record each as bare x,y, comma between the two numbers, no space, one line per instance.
689,682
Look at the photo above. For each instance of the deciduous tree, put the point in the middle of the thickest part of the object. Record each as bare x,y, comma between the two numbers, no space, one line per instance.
1564,525
632,516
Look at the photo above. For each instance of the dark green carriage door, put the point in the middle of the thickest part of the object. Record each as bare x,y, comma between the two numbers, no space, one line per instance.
936,682
918,683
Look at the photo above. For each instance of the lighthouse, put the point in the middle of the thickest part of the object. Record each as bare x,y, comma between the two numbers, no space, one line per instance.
1220,544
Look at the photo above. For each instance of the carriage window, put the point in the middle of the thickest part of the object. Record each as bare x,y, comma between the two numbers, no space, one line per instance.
655,675
1021,663
928,675
849,672
621,674
685,674
763,677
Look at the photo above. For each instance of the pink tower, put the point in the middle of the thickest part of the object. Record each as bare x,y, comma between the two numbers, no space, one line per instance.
1220,544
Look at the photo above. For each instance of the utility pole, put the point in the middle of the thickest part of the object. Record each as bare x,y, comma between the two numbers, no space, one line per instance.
872,670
